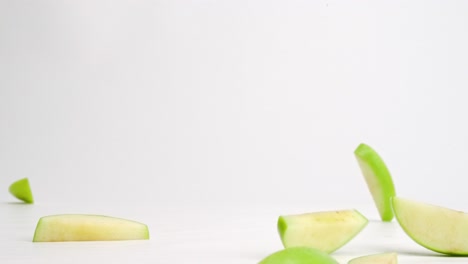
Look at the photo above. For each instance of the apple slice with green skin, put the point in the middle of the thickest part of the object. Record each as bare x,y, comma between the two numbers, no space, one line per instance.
383,258
69,227
22,190
325,231
299,255
378,178
436,228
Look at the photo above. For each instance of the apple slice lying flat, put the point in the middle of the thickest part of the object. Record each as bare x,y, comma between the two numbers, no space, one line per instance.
437,228
383,258
21,190
299,255
378,178
325,231
57,228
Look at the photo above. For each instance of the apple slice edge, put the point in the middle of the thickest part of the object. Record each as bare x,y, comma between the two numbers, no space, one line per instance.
378,179
21,189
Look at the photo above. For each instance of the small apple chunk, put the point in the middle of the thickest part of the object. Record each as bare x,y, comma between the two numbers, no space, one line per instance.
378,179
299,255
325,231
22,190
383,258
436,228
74,227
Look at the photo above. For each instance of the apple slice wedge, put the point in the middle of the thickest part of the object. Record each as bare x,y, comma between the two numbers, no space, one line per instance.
75,227
382,258
378,179
22,190
325,231
436,228
299,255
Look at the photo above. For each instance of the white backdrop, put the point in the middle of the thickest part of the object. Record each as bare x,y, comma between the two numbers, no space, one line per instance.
232,101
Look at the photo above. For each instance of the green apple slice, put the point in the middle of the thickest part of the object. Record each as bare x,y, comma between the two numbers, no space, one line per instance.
325,231
383,258
22,190
378,178
436,228
70,227
299,255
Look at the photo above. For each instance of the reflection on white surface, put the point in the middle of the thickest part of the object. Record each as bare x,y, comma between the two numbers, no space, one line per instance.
181,234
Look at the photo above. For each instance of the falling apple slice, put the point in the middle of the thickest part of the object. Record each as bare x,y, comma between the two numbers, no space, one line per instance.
21,190
299,255
57,228
325,231
378,178
383,258
437,228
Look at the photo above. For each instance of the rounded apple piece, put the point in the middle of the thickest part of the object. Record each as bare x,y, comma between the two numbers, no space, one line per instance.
325,231
436,228
22,190
378,179
382,258
299,255
77,227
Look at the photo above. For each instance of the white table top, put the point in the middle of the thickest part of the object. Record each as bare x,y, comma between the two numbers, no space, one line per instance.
190,234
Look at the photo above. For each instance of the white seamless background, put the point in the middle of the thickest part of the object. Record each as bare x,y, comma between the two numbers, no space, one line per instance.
232,101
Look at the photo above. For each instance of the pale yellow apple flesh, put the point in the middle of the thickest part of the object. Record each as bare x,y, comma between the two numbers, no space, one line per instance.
299,255
325,231
57,228
383,258
437,228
